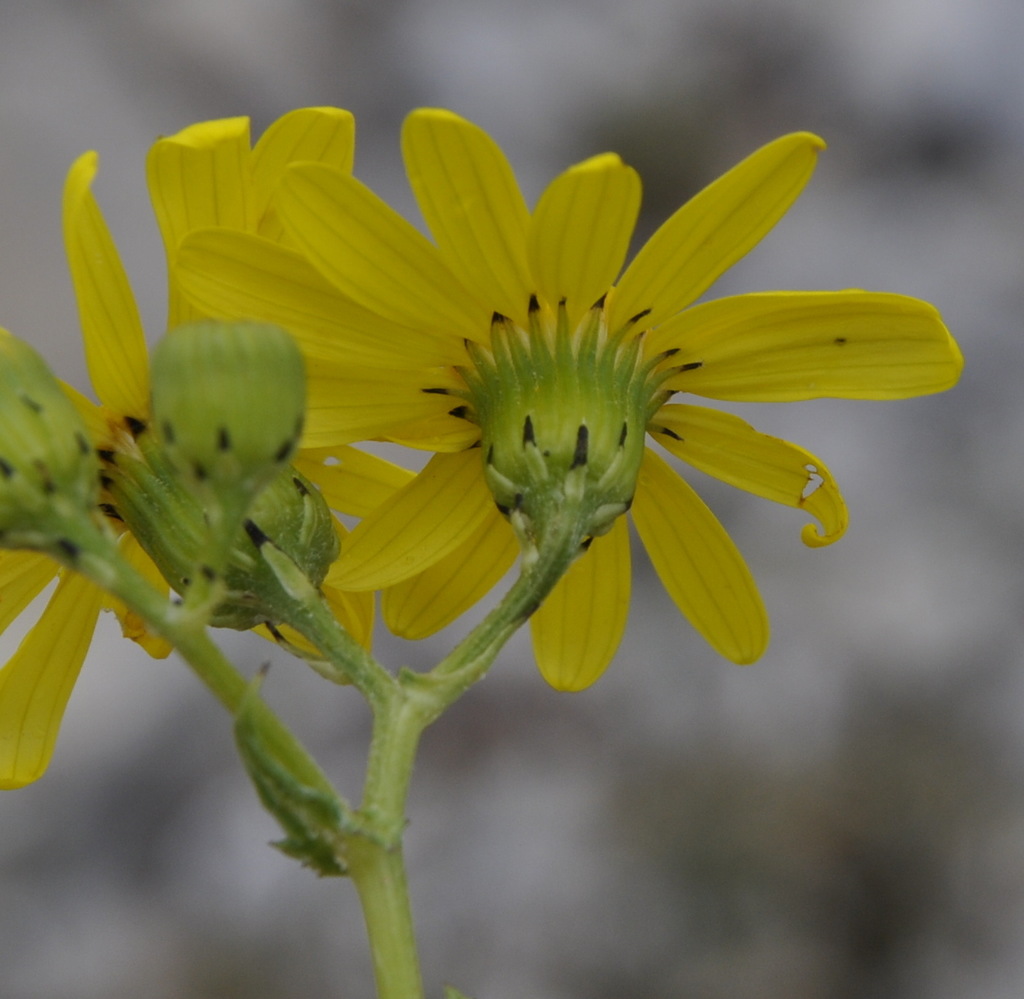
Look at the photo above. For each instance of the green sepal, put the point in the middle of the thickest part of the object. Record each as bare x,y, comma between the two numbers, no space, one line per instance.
450,993
295,791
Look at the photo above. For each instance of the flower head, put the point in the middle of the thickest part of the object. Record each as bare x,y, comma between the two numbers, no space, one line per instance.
514,348
207,175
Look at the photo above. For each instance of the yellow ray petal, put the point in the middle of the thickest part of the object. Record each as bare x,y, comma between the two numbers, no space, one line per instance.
581,230
352,481
372,255
115,344
579,626
425,603
199,178
36,683
730,449
783,346
698,563
23,576
442,432
227,275
420,524
347,404
92,415
307,135
713,230
470,199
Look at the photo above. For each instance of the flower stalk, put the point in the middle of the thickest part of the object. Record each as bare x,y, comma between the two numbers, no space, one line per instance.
401,712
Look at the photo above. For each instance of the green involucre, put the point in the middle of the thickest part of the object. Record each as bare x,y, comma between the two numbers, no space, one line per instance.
562,417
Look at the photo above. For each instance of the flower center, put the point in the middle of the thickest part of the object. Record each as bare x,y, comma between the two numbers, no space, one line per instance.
562,415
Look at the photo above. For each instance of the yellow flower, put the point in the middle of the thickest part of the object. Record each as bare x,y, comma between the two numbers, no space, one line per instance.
511,316
207,175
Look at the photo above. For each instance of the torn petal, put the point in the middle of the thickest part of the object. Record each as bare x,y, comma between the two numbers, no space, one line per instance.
730,449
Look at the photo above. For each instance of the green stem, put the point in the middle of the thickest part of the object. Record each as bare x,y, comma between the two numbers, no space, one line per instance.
308,613
547,563
402,709
374,855
373,851
401,714
379,876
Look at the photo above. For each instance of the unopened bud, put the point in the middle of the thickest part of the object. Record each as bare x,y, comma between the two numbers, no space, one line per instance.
290,522
228,403
171,523
48,468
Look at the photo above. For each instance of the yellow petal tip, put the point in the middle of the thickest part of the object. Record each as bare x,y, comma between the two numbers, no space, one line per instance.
438,114
570,686
814,537
816,142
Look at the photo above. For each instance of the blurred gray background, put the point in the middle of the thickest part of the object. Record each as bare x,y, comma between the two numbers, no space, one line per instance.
844,819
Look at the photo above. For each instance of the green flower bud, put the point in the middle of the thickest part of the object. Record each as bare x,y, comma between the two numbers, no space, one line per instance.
172,525
48,468
289,523
228,403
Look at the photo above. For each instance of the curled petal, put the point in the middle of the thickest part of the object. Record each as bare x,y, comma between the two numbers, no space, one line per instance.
353,610
37,681
730,449
698,563
713,230
579,626
784,346
132,625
